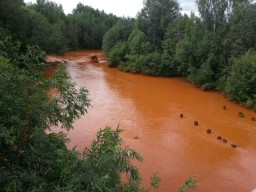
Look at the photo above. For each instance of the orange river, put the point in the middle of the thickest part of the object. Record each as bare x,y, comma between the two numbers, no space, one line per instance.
149,108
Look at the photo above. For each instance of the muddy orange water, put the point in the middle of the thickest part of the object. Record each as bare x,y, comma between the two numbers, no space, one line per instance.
149,108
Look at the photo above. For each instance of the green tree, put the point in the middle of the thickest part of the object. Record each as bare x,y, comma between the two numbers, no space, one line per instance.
118,33
117,54
47,26
138,43
241,85
241,36
184,55
87,26
52,11
175,33
57,41
213,12
149,63
155,17
13,18
202,76
39,29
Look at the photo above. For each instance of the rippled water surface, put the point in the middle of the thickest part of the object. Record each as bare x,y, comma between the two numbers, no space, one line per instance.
149,108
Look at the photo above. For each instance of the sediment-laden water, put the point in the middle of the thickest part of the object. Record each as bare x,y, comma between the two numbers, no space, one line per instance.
149,110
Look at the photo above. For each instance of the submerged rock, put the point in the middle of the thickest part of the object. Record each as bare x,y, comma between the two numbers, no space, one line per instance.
94,58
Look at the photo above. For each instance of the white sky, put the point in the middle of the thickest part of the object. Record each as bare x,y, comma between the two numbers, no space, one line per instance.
127,8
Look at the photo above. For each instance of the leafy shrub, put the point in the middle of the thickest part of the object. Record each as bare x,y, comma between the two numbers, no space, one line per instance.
201,76
241,84
118,33
149,64
208,86
139,43
117,54
169,66
131,65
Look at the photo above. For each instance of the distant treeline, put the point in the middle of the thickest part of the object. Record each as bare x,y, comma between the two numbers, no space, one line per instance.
45,24
215,50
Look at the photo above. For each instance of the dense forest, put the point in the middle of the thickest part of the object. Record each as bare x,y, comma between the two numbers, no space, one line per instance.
45,24
215,50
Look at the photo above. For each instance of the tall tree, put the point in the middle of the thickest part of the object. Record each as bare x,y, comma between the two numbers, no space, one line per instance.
212,12
87,26
242,33
52,11
118,33
13,18
155,17
241,84
216,12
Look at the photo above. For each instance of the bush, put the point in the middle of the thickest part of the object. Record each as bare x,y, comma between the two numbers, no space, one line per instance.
149,64
118,33
241,84
131,65
117,54
201,76
169,66
139,43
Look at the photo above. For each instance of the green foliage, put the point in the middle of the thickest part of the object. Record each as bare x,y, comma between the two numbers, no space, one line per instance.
149,64
45,24
132,64
24,82
155,17
108,159
118,33
241,85
138,43
170,67
175,32
184,55
189,185
241,35
13,18
39,29
213,12
86,27
117,54
27,153
50,10
178,46
155,180
201,76
57,41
